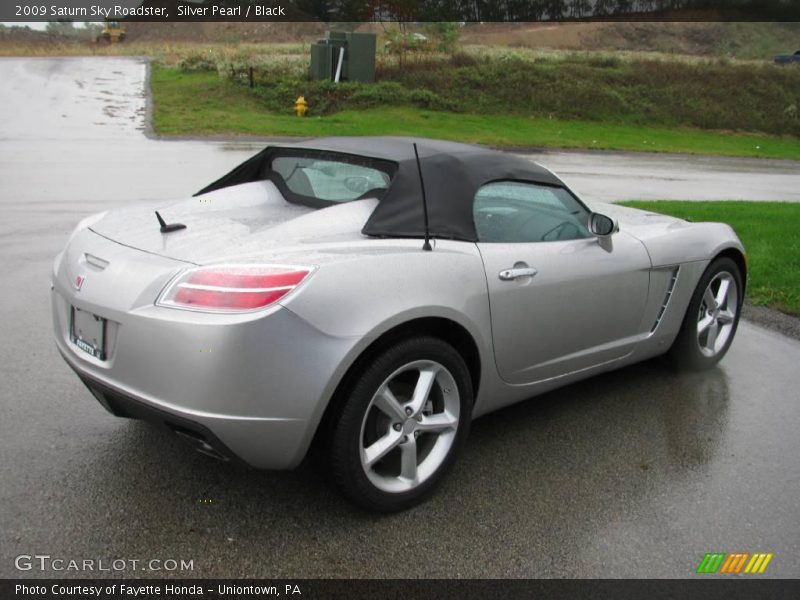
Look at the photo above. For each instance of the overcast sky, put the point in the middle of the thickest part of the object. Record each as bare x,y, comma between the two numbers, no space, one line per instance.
31,25
36,25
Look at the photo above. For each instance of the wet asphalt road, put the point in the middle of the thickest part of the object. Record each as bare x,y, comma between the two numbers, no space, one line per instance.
637,473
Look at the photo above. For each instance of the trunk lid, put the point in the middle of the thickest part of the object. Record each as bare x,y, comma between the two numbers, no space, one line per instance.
244,220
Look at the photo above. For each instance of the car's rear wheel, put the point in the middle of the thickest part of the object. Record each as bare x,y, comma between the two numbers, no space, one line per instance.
402,424
711,318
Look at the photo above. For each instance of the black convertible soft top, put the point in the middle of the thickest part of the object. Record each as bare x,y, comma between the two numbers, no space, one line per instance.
453,173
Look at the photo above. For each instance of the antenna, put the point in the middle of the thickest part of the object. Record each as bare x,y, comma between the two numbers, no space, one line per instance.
161,221
169,228
427,244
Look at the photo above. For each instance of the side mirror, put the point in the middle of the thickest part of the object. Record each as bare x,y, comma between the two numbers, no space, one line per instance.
602,226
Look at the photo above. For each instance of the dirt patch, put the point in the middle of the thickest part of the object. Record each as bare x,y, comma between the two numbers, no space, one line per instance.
560,36
745,40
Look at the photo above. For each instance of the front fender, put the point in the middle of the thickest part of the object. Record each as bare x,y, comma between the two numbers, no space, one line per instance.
690,242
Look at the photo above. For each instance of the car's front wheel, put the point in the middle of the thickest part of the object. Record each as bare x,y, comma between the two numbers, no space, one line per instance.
402,424
711,318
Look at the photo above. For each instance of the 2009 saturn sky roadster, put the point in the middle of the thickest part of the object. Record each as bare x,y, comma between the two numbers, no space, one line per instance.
372,296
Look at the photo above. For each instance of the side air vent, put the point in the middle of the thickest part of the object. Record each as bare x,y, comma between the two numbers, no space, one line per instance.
95,261
668,295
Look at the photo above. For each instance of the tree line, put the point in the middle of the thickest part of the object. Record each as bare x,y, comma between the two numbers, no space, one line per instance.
534,10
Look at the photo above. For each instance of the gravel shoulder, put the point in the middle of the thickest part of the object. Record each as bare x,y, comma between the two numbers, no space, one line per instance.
772,319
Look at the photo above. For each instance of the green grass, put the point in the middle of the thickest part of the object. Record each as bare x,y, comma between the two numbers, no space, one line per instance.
201,103
771,236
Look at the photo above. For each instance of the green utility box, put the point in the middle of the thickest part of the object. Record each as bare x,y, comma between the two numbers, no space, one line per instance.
352,55
361,66
321,60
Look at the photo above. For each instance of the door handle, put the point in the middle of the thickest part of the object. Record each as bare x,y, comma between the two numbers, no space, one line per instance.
511,274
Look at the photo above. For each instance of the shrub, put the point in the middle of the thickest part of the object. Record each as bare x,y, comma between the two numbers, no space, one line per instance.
445,35
198,62
462,59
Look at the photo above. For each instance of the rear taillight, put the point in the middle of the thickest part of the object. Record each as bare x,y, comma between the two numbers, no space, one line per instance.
232,288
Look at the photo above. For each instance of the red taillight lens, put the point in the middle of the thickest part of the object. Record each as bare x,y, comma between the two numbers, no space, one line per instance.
233,288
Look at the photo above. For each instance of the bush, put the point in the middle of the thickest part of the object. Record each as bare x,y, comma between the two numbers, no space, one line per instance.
384,93
428,99
462,59
605,62
445,35
198,62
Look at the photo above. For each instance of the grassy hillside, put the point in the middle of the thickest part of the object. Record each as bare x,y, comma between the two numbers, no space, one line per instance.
496,96
712,94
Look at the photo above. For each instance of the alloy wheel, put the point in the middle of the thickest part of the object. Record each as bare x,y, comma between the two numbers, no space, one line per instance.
409,426
717,314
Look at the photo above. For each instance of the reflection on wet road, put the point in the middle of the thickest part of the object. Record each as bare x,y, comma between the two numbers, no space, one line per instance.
636,473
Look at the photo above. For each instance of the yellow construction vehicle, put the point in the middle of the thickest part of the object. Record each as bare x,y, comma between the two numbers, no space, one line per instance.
112,32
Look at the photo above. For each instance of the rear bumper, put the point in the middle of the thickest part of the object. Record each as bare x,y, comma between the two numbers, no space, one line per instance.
259,442
121,404
249,389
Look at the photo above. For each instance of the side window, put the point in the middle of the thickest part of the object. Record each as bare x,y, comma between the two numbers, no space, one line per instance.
329,180
514,211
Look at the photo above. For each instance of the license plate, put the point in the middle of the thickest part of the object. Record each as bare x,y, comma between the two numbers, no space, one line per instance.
88,332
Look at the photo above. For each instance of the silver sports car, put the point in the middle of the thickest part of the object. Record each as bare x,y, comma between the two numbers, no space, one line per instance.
369,297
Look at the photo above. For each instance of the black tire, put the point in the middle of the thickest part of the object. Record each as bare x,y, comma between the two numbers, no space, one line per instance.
360,418
688,351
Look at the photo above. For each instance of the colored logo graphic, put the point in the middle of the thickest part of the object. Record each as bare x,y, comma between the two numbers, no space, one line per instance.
733,564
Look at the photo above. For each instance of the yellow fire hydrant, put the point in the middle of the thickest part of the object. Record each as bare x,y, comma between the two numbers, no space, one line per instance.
300,107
